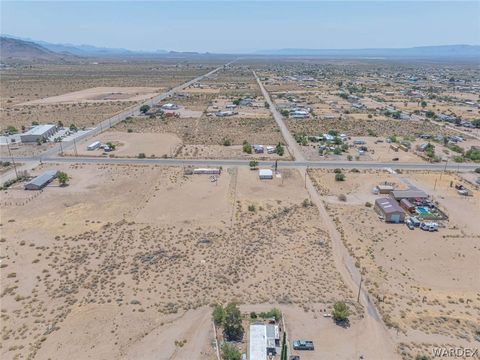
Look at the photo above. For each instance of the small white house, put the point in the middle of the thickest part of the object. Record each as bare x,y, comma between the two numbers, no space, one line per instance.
265,174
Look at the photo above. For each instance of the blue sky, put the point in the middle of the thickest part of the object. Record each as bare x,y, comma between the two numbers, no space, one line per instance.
242,26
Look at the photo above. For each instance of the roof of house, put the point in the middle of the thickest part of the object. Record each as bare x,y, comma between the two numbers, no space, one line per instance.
388,205
406,203
265,172
409,194
39,129
258,342
43,179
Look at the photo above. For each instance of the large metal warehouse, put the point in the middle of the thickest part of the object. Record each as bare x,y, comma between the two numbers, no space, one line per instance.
38,132
41,181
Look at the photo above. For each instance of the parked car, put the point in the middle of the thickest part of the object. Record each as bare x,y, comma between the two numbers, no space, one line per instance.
429,226
303,345
409,224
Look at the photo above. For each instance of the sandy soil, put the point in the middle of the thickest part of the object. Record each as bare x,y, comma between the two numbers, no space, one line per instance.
123,249
99,94
131,144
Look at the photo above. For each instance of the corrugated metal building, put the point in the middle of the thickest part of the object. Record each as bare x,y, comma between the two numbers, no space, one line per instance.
41,181
38,132
390,210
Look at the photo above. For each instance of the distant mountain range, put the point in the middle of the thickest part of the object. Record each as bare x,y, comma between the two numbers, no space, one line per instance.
431,52
15,49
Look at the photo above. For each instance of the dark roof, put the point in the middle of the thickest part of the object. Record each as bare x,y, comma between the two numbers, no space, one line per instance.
388,205
43,179
409,194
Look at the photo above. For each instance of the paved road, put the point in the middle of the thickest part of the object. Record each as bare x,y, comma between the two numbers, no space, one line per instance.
292,144
344,262
232,162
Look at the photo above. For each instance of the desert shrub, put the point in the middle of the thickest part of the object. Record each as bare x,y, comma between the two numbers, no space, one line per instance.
63,178
129,130
349,157
144,108
227,142
340,311
141,156
218,314
368,204
253,164
252,208
230,352
342,197
247,148
339,177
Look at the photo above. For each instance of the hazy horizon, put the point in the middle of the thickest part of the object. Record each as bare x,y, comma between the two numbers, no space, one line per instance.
239,26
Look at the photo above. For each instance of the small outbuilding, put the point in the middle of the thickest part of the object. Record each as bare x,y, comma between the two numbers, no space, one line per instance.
41,181
390,210
265,174
384,189
407,205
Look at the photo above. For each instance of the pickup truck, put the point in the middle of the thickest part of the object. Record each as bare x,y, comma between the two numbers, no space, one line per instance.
303,345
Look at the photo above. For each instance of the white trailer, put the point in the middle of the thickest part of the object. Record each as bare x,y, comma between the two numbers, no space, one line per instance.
94,146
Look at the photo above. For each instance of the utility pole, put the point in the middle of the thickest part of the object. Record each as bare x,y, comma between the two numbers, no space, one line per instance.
13,161
359,288
61,148
444,169
75,146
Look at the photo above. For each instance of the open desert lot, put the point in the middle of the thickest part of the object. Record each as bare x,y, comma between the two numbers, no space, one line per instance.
131,254
99,94
423,283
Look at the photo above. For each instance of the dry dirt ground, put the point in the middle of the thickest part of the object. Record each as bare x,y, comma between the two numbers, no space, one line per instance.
130,145
424,284
26,84
99,94
126,259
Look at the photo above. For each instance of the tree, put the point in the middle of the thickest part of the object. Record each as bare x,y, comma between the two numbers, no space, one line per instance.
247,148
253,164
73,127
340,311
423,104
279,149
285,113
236,102
63,178
12,129
230,352
339,177
218,314
267,105
144,108
233,322
283,354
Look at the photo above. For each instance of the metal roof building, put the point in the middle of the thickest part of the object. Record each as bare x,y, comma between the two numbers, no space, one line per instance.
265,174
38,132
390,210
257,347
41,181
409,194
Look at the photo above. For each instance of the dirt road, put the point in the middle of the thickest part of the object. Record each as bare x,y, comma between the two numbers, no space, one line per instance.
343,261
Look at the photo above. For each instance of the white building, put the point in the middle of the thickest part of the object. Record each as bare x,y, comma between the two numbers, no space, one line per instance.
38,132
257,348
265,174
170,106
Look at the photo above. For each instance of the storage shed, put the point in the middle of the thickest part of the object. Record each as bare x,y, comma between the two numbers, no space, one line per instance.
384,189
407,205
41,181
265,174
38,132
390,210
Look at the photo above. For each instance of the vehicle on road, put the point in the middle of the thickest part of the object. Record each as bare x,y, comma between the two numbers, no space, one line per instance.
303,345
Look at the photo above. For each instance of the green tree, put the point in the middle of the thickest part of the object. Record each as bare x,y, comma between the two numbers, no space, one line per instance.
63,178
247,148
267,105
73,127
218,314
236,102
144,108
12,129
279,149
423,104
339,177
230,352
227,142
233,322
253,164
285,113
340,311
